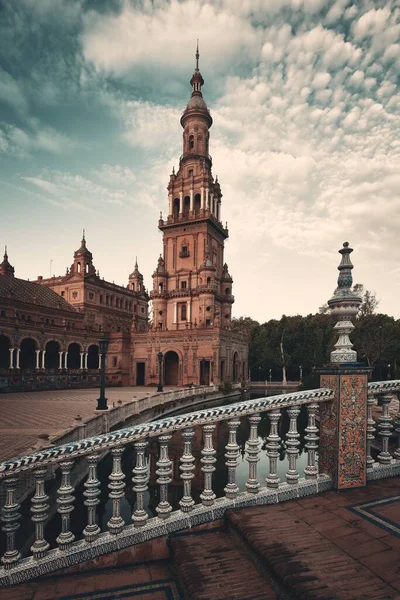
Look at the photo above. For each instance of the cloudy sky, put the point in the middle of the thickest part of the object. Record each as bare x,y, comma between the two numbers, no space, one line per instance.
306,137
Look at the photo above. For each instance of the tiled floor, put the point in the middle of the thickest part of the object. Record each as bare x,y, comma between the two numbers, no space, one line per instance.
152,581
26,415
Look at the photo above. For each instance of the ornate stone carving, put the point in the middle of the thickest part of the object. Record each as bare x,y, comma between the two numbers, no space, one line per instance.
65,503
116,486
253,451
10,517
385,428
344,305
311,437
208,461
187,470
370,429
92,493
164,477
231,454
39,510
273,446
292,445
140,482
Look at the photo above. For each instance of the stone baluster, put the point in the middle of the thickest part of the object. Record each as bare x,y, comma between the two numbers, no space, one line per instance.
187,470
208,461
91,494
311,437
253,450
292,445
385,428
370,430
273,446
116,487
39,510
65,501
10,517
163,473
397,430
139,479
232,453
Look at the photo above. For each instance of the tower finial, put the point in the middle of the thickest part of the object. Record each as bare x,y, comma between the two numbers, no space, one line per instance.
5,251
197,56
83,234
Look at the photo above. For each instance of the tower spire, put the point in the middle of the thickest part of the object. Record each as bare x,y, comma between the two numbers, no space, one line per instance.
197,56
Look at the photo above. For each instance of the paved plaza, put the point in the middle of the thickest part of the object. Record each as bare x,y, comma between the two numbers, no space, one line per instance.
26,415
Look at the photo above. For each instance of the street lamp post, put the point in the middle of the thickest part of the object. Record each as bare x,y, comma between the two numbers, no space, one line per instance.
301,373
380,352
389,375
259,373
102,400
270,375
159,358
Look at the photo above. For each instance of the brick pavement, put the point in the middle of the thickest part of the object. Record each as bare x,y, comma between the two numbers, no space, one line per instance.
26,415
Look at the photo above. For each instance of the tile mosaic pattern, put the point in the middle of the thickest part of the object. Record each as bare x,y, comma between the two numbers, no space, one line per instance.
374,512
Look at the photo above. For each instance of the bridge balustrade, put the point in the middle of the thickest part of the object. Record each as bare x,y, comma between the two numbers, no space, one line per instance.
95,542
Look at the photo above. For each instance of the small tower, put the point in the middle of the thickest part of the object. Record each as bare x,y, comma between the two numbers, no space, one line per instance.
159,295
5,267
83,260
136,280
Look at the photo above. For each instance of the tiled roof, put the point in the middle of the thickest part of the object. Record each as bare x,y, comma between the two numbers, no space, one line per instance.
31,293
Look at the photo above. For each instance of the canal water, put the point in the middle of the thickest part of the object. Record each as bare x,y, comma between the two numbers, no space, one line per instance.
175,488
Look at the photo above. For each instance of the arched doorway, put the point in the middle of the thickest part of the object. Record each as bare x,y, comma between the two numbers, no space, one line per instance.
27,356
51,358
74,356
93,357
235,372
4,352
171,368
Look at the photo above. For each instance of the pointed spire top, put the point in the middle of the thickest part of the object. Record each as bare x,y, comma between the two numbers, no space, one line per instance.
5,267
83,242
136,263
197,56
173,170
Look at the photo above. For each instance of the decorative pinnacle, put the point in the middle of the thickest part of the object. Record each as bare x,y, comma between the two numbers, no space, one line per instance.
344,305
5,252
197,56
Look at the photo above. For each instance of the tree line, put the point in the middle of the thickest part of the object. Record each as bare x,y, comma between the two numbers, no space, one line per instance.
278,348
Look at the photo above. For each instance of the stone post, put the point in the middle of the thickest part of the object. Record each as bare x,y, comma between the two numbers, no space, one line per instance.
18,353
11,350
343,421
43,359
60,354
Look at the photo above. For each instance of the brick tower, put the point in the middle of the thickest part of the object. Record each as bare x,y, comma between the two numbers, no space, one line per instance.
192,288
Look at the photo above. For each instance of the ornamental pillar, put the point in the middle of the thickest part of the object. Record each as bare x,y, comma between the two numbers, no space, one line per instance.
11,350
207,200
180,203
191,200
82,354
170,205
18,352
43,358
37,359
60,355
201,197
343,421
86,359
65,359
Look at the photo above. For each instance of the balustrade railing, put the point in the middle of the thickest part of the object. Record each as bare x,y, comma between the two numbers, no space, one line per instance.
93,542
383,433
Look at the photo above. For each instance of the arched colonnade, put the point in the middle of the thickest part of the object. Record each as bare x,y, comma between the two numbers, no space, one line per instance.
27,354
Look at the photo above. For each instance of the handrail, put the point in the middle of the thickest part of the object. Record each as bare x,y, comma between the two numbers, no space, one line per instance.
377,387
160,427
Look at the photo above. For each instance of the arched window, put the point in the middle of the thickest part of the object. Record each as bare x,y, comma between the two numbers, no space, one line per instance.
176,208
227,291
208,280
133,287
79,267
183,312
191,142
186,206
160,288
197,204
87,268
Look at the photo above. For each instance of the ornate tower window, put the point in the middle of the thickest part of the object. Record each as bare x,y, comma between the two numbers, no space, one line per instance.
183,285
183,312
191,142
184,253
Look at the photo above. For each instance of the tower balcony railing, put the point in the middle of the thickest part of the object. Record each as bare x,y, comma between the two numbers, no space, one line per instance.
195,156
120,534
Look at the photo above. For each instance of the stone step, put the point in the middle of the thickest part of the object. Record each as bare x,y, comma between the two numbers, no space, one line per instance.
308,564
211,566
